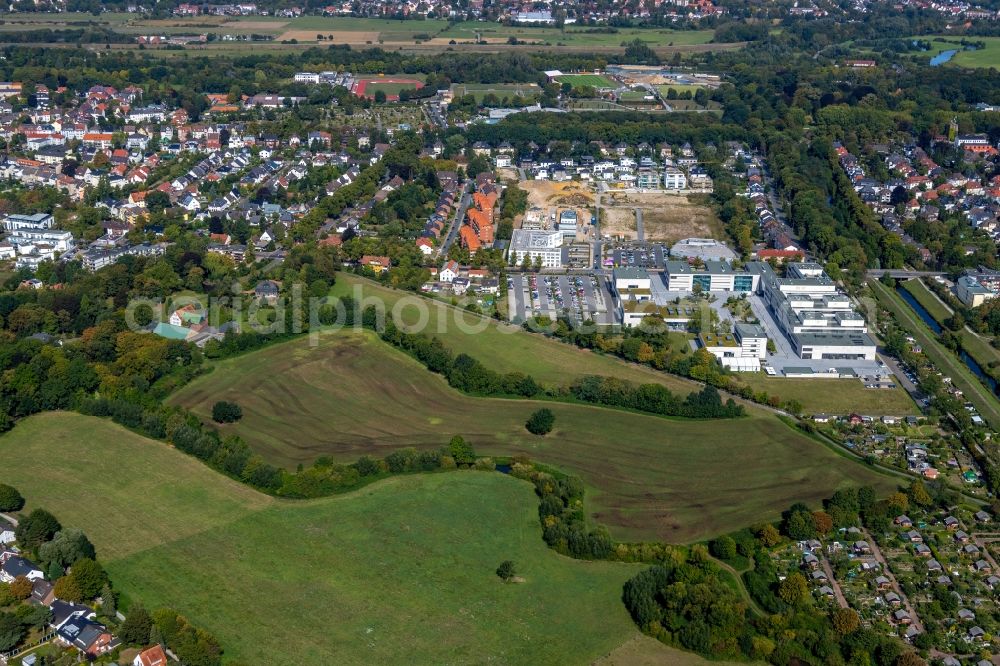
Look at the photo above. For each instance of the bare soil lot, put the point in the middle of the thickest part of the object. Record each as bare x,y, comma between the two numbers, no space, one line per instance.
665,217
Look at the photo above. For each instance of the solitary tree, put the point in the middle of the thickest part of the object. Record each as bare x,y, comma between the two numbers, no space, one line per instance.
226,412
10,499
506,570
540,423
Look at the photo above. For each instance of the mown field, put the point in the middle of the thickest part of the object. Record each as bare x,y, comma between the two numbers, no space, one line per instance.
834,396
648,477
987,57
400,572
592,80
501,90
499,346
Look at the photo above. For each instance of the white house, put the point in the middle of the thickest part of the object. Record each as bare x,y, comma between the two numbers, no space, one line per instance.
449,272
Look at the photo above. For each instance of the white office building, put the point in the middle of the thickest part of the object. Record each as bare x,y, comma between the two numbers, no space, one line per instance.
819,320
537,245
740,351
307,77
674,179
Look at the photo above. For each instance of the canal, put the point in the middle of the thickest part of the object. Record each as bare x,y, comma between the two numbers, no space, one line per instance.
970,362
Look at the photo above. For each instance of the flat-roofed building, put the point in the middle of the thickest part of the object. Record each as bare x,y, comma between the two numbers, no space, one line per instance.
714,276
537,245
971,292
741,350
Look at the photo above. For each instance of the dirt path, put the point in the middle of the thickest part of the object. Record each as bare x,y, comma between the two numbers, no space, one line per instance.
887,572
837,592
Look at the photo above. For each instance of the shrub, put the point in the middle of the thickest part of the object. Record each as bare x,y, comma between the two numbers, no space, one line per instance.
540,423
226,412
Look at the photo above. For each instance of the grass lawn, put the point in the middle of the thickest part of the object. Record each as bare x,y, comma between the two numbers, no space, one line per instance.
834,396
945,361
593,80
501,90
987,57
643,650
648,477
502,347
400,572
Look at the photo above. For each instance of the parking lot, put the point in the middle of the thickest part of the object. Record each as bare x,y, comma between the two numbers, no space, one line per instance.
580,297
645,255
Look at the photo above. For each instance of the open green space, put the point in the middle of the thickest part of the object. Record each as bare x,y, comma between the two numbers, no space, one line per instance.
927,299
946,362
834,396
648,477
572,35
500,347
986,57
979,348
400,572
592,80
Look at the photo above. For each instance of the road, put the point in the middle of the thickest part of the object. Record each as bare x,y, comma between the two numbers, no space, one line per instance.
456,222
887,572
597,229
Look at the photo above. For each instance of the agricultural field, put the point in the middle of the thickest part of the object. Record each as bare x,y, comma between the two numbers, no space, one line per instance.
834,396
666,217
592,80
648,477
432,35
574,36
399,572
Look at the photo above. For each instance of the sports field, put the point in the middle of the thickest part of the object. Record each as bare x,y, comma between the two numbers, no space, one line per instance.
391,87
501,90
649,477
592,80
400,572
